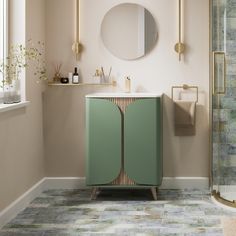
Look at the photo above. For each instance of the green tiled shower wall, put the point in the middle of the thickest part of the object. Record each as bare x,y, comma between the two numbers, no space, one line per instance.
224,105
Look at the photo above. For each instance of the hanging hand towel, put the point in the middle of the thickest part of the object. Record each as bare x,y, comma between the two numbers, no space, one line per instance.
185,118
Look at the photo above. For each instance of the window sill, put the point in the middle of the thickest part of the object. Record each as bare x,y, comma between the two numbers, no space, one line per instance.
9,107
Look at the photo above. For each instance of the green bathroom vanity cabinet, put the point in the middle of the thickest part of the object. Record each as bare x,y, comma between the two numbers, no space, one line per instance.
124,141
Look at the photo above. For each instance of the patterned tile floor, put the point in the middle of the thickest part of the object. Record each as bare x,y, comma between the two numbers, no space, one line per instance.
71,213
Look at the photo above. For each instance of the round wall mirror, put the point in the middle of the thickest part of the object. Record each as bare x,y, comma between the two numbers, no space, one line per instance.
129,31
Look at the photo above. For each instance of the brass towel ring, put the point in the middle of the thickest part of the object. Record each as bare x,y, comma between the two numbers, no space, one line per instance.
184,87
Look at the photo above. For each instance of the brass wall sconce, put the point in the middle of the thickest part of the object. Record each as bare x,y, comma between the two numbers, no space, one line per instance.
180,47
77,46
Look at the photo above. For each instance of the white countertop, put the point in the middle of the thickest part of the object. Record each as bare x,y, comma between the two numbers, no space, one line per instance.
123,95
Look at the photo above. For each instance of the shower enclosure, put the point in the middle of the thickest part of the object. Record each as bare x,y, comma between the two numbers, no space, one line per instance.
223,102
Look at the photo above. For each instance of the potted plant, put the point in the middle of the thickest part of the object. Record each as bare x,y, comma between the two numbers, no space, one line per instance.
20,57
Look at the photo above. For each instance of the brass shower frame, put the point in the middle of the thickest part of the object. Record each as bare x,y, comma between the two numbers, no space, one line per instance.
215,194
222,200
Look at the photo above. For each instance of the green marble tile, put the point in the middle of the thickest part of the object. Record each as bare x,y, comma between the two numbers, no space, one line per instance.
177,212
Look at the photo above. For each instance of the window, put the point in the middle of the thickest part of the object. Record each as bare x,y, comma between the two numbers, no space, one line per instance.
3,36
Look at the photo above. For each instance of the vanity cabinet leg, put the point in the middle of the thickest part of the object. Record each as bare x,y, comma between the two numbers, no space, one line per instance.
94,193
154,193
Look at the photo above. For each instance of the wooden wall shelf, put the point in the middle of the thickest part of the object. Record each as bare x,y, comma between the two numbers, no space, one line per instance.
83,84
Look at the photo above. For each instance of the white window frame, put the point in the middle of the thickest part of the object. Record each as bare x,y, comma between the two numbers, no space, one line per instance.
5,37
23,103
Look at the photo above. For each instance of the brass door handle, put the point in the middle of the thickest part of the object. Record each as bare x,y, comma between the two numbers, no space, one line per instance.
215,53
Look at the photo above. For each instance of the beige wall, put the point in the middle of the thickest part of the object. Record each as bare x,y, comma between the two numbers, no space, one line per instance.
22,159
21,137
64,112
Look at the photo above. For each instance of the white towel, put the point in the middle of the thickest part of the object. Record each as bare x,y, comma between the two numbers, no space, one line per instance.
185,118
185,113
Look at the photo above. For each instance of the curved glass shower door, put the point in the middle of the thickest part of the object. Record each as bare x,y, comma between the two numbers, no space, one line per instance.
223,24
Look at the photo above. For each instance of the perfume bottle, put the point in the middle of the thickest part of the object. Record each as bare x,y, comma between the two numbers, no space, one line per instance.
75,78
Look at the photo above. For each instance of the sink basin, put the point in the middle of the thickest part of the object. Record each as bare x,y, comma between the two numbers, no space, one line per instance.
123,95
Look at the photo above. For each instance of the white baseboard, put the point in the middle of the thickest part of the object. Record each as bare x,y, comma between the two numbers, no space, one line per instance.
24,200
20,203
48,183
167,183
185,183
64,183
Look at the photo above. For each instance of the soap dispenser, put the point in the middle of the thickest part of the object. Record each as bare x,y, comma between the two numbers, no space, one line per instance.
127,84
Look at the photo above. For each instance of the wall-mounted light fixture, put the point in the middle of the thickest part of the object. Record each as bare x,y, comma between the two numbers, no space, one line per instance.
179,47
77,47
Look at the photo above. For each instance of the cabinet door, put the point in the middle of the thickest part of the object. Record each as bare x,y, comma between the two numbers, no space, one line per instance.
103,144
143,141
